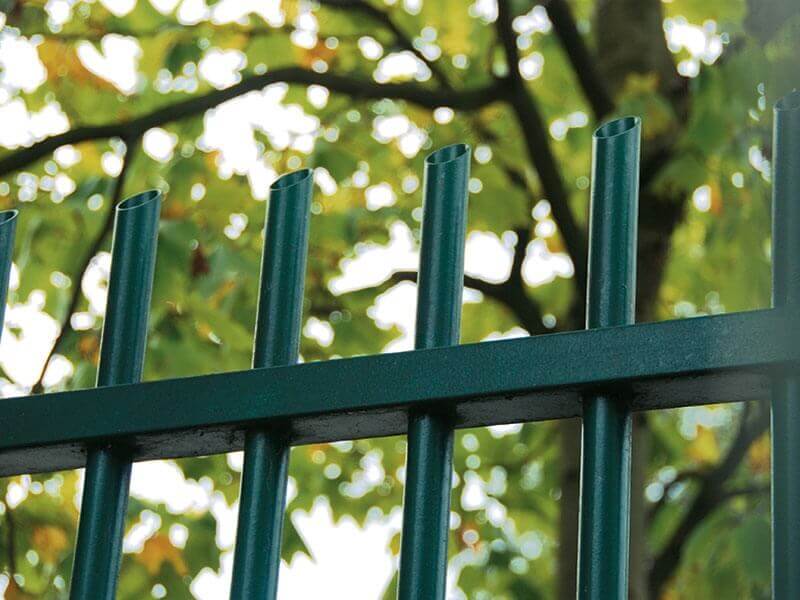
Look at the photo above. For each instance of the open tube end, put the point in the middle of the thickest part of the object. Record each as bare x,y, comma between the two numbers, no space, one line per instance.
447,154
289,180
7,216
139,200
617,127
790,102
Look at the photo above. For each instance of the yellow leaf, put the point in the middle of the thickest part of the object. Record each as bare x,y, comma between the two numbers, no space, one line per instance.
222,291
14,592
49,541
704,448
62,61
457,36
716,197
159,550
758,457
640,96
394,544
89,347
173,211
669,594
204,330
319,52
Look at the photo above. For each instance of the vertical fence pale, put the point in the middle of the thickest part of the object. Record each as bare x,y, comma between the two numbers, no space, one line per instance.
277,342
786,390
98,549
611,295
426,510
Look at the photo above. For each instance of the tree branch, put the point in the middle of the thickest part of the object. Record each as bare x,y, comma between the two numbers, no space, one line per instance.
484,287
509,293
682,477
492,290
517,299
95,32
583,63
353,86
401,38
537,142
710,494
515,295
746,490
512,293
97,243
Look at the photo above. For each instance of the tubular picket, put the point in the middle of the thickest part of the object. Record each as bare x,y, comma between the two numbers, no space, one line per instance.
786,390
8,227
611,295
278,322
426,510
98,548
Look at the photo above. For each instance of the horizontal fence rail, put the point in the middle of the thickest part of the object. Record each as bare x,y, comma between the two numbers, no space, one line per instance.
603,374
705,360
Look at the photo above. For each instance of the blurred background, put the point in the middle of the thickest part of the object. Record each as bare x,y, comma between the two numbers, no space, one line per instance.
209,100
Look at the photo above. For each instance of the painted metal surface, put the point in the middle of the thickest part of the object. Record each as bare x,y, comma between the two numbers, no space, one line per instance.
611,295
98,550
705,360
8,227
603,374
277,342
426,506
786,390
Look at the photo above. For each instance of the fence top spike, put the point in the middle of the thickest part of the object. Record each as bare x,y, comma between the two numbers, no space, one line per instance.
790,102
289,180
447,154
139,200
617,127
7,216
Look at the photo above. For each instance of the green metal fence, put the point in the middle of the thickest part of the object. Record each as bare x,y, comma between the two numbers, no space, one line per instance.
604,374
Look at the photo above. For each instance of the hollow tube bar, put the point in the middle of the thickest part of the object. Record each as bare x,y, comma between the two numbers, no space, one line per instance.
277,343
8,227
98,549
786,390
426,510
611,295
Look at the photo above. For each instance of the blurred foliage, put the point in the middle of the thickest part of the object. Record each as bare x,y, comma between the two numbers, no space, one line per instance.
505,528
